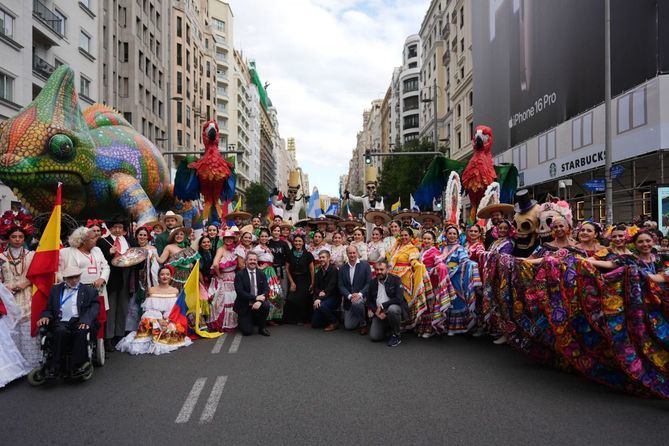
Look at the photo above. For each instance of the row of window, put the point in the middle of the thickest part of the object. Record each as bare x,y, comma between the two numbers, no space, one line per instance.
7,86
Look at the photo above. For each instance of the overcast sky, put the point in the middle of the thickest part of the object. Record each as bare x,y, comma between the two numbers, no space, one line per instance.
325,60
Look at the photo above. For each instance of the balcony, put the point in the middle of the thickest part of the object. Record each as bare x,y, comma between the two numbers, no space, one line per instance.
42,68
48,18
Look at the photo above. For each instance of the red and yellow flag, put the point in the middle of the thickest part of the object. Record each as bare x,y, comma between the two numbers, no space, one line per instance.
43,268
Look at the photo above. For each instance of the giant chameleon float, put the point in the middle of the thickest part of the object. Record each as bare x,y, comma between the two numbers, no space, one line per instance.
107,168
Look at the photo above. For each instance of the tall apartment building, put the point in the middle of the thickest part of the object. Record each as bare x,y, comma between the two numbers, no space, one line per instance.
433,73
458,61
242,116
36,36
193,89
222,27
385,121
133,64
405,117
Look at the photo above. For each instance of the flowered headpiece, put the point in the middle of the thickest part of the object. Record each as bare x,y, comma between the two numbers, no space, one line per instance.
594,224
16,221
512,230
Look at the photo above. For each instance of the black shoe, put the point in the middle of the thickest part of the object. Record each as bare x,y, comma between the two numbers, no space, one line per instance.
263,331
394,341
109,346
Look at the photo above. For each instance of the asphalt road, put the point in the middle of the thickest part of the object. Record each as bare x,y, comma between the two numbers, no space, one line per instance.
302,386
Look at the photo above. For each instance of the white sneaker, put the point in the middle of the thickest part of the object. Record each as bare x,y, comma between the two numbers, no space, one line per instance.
451,333
499,341
426,335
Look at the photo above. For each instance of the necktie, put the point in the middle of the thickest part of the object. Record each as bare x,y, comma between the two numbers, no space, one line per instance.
117,246
254,288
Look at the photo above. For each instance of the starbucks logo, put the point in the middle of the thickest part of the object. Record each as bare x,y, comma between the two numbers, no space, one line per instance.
552,170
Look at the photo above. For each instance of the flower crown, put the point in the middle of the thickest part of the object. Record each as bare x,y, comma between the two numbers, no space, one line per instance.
16,221
512,230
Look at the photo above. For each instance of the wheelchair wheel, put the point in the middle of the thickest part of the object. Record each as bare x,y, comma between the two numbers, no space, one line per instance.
88,374
36,377
99,353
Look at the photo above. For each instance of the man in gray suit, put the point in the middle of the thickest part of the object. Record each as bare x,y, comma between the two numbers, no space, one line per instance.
354,278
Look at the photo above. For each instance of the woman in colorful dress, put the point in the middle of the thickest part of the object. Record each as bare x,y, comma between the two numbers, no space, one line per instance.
146,276
404,260
360,244
213,234
156,334
474,243
279,248
503,235
12,363
561,245
318,242
647,261
266,265
588,234
300,270
338,249
394,228
179,255
442,290
14,264
376,248
222,287
204,248
618,238
245,245
464,276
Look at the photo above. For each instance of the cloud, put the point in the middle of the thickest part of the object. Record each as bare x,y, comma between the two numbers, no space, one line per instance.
326,60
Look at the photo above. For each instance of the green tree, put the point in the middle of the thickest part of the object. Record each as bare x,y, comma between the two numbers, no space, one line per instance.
256,199
401,175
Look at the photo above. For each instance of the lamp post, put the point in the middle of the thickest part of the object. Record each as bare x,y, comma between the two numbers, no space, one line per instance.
608,154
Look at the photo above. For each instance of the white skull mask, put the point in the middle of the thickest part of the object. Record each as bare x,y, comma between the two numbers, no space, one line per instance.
526,227
546,218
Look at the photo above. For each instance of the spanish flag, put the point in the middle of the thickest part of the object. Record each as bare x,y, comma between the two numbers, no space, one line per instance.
395,208
189,302
43,268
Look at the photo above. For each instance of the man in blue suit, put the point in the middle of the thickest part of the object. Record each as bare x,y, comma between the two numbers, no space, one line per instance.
354,278
71,313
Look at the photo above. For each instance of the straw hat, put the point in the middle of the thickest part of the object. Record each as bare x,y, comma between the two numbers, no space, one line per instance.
371,214
405,213
238,214
175,231
506,210
352,224
427,216
180,219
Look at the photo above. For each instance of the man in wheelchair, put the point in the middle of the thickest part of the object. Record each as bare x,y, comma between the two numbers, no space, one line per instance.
70,318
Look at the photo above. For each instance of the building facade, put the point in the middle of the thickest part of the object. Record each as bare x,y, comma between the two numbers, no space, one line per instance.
408,98
222,28
37,36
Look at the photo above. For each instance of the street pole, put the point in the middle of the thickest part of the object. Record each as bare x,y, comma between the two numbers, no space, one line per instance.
607,111
435,134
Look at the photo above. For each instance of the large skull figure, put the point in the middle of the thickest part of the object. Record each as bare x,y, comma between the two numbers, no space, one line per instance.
548,213
292,193
526,227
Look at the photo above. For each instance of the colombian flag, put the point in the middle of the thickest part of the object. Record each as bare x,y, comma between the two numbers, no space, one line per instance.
395,208
42,270
189,302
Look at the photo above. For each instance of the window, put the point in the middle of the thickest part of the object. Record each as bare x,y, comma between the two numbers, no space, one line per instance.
219,25
122,16
128,117
462,17
632,110
179,114
6,87
188,116
123,51
6,24
84,86
125,85
411,122
179,57
519,156
459,139
471,98
180,138
547,146
410,85
85,42
462,45
413,65
581,131
411,103
458,111
178,26
59,23
413,52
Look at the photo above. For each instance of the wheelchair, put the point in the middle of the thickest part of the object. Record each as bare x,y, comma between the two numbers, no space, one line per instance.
40,374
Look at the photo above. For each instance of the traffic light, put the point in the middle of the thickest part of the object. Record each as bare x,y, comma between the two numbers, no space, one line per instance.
368,157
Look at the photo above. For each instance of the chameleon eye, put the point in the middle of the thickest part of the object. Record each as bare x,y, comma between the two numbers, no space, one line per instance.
61,147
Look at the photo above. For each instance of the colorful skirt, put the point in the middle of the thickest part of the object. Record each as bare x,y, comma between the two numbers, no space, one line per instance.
222,290
275,295
461,315
417,288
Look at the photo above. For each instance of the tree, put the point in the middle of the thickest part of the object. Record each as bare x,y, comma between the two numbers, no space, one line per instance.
256,199
401,175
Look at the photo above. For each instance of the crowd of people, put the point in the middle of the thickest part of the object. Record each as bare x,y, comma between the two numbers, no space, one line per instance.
407,276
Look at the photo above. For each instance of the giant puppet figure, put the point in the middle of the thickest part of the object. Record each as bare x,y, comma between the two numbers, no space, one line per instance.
290,204
480,171
372,199
106,167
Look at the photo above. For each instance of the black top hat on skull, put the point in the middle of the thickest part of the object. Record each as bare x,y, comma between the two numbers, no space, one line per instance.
523,201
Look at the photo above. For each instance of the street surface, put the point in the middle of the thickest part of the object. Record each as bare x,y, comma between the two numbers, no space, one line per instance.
302,386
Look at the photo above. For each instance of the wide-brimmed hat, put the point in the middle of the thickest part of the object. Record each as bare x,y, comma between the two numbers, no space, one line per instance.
505,208
523,201
371,214
228,233
283,224
238,214
428,216
405,213
153,224
321,220
303,222
350,223
71,271
175,231
180,219
248,228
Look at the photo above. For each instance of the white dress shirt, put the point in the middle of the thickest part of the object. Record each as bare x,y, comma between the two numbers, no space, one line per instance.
68,303
351,273
381,295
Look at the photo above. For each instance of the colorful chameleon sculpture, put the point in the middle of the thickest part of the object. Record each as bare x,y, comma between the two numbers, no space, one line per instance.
107,168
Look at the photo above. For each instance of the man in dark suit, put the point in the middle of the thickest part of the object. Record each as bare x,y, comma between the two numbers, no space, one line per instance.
354,278
251,303
386,300
326,294
71,312
118,285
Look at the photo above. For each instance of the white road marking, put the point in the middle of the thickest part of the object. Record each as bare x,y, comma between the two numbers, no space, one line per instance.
219,345
235,343
191,401
214,398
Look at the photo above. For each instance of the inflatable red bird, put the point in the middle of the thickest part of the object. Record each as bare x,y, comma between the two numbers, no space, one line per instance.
215,177
480,171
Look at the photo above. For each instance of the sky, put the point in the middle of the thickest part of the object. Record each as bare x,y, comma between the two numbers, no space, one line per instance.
325,61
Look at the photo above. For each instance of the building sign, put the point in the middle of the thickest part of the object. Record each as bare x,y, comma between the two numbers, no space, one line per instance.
596,185
660,206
